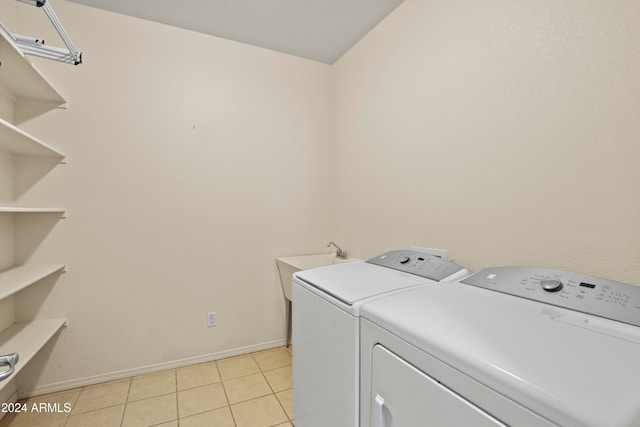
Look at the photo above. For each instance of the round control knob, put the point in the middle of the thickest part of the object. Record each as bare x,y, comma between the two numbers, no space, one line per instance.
551,284
405,259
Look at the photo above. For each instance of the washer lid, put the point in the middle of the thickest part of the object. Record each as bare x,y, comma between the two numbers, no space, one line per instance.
569,367
352,282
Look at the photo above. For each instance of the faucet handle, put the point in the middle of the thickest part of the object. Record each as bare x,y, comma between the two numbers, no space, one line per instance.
339,252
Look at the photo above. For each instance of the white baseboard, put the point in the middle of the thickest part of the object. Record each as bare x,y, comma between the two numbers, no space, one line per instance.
128,373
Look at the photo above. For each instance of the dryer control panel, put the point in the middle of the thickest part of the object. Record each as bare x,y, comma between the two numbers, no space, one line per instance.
588,294
418,263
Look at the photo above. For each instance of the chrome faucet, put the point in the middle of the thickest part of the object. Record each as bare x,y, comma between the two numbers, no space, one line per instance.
339,252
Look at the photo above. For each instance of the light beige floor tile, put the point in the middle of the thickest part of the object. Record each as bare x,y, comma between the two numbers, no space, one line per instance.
6,419
279,379
246,388
201,399
216,418
237,367
272,359
261,412
152,411
23,420
107,417
198,375
286,400
152,385
101,396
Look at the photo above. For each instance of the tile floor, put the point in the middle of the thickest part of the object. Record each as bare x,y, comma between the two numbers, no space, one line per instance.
253,390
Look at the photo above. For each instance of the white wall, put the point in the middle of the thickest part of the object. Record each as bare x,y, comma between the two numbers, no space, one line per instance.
506,132
193,162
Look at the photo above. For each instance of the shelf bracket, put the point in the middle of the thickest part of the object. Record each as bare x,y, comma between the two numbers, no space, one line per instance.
36,47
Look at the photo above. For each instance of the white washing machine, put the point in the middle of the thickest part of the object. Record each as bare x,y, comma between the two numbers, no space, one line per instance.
506,346
326,328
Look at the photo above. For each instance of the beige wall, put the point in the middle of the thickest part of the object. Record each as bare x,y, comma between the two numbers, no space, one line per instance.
506,132
193,162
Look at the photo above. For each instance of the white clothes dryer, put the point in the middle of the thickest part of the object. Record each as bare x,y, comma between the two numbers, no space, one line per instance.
506,346
326,328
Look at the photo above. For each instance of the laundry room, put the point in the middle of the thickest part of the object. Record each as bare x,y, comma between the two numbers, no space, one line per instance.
506,133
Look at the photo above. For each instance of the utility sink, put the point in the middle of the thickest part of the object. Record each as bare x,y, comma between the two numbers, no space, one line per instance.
289,265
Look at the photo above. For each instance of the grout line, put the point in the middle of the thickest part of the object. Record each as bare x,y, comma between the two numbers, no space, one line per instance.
226,396
126,402
175,378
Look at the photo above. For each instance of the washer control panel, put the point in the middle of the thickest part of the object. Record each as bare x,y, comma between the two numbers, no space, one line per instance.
588,294
417,263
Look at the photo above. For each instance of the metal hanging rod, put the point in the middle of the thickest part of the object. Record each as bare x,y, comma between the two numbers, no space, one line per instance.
36,47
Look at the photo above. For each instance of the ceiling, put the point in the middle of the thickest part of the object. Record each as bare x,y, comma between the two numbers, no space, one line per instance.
321,30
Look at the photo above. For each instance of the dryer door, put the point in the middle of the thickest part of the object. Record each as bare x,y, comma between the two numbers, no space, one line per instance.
406,397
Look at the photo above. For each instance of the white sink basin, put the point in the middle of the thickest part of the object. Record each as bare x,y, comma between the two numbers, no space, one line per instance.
289,265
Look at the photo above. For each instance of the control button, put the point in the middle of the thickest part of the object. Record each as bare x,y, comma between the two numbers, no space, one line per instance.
551,284
405,259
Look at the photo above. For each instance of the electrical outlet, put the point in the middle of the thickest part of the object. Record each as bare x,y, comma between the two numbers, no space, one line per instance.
211,319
